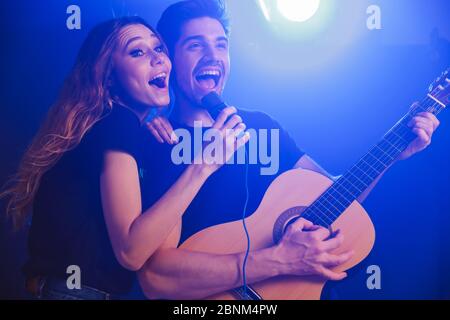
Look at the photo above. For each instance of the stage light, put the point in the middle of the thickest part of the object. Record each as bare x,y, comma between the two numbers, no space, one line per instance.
328,29
298,10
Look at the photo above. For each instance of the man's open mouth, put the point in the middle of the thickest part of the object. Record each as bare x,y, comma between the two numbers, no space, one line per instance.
159,80
208,79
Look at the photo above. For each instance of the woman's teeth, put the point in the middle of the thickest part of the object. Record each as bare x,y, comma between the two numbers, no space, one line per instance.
159,80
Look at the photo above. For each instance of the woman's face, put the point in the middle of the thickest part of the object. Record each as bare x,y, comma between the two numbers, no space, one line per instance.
141,67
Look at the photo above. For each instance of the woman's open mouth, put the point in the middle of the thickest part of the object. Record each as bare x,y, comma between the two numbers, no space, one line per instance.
159,81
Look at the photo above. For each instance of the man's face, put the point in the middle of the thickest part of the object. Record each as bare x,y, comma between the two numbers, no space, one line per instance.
201,59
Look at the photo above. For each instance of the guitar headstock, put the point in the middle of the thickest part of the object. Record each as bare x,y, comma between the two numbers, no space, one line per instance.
439,90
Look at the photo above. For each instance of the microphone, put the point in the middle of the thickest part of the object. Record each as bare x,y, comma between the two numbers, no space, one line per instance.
213,103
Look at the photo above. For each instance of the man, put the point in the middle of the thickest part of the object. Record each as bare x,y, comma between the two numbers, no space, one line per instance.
196,33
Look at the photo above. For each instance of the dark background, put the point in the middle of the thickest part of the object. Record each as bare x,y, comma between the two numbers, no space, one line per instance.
335,85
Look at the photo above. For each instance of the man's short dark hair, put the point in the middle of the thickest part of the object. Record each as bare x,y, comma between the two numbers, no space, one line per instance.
176,15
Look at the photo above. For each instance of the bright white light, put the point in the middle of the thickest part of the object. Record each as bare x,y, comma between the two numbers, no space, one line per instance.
298,10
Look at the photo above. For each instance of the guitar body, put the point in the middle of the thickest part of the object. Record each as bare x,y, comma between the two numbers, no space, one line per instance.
294,188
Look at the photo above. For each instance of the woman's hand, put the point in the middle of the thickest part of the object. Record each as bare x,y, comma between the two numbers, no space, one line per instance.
162,130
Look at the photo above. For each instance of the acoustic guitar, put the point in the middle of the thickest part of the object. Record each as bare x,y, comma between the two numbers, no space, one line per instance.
303,193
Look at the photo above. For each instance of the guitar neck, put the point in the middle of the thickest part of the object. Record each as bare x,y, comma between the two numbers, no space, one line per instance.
339,196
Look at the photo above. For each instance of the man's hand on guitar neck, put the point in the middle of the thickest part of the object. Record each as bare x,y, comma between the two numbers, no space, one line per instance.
424,124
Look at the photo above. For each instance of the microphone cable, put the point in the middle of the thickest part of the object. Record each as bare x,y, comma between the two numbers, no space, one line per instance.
244,212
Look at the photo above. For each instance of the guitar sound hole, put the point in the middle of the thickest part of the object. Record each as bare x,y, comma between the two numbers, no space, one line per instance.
284,220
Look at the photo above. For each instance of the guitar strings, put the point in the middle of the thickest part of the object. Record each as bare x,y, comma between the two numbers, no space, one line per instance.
391,151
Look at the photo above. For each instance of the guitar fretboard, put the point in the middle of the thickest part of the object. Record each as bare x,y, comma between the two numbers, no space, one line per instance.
340,195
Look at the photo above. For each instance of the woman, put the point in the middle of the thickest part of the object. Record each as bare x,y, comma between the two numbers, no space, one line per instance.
81,173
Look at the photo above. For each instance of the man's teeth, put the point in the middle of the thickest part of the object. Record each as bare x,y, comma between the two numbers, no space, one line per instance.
208,78
209,73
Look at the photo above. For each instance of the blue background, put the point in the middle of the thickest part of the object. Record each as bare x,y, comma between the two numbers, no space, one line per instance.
336,86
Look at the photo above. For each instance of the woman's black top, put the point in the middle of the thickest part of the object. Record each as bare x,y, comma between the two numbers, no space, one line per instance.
68,227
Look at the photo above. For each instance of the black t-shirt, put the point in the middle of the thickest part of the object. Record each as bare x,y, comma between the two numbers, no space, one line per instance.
68,226
221,199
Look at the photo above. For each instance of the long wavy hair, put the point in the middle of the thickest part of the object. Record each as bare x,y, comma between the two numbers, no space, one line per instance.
86,96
